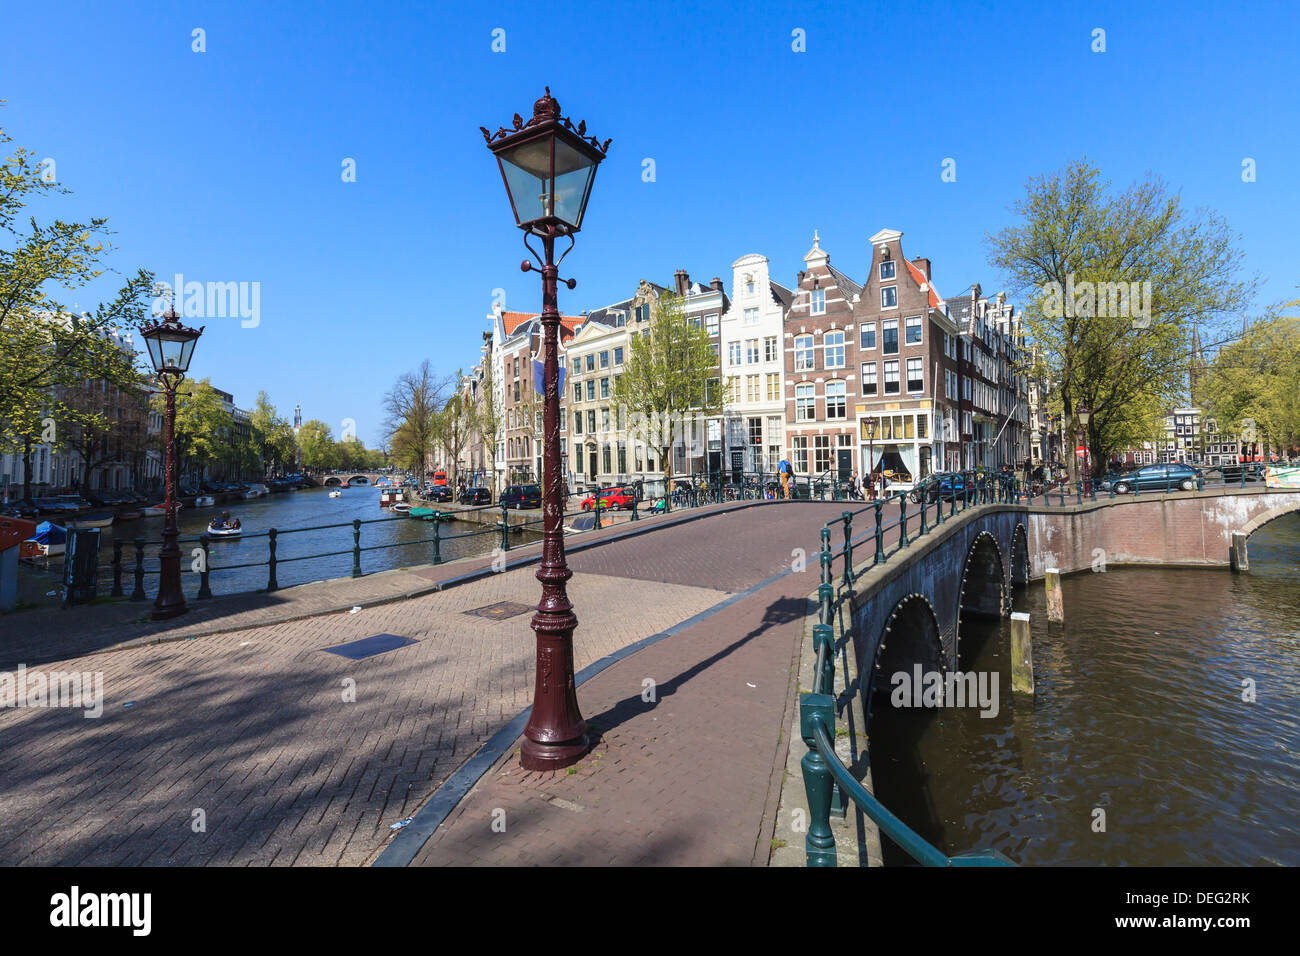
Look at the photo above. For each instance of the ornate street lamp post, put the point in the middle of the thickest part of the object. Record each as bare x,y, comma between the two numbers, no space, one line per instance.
1085,414
548,166
170,347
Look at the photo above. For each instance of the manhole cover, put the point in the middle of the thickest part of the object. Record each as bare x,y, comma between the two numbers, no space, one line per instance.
370,646
501,610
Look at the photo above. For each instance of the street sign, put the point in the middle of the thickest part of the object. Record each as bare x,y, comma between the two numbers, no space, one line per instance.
1081,451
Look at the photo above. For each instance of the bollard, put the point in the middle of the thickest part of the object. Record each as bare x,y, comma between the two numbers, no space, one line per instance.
505,528
117,567
636,497
271,583
1055,601
925,529
1237,556
815,709
138,593
902,520
880,533
437,543
1022,655
596,526
204,590
356,547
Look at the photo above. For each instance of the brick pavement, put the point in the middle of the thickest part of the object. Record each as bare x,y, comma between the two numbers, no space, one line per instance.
250,727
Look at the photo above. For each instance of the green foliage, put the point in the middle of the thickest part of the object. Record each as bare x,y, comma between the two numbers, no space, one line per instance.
317,445
204,429
1252,387
670,372
1074,229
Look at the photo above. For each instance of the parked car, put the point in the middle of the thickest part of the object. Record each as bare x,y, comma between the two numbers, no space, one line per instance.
438,493
476,496
946,486
522,496
611,498
1176,477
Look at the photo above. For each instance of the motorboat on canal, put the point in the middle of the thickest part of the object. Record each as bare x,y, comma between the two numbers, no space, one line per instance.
204,501
257,490
391,496
158,510
400,507
336,494
218,530
49,540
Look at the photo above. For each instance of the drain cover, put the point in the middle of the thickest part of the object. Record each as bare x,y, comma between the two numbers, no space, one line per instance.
370,646
501,610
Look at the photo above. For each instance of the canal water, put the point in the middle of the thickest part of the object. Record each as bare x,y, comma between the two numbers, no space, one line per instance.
308,508
1139,713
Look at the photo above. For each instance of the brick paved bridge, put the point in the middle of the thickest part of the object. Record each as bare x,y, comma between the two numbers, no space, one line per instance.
297,756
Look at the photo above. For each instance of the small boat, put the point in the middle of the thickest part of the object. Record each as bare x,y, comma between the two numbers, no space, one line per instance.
391,496
428,514
204,501
50,539
157,511
95,519
257,491
133,515
336,494
221,531
401,508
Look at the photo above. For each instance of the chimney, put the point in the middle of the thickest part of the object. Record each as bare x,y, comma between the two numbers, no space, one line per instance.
716,284
924,265
682,281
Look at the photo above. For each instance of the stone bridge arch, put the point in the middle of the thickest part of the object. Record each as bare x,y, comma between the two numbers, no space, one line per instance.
983,584
359,480
910,636
1019,571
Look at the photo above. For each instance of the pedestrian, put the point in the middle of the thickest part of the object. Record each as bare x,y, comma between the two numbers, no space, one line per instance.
853,486
785,471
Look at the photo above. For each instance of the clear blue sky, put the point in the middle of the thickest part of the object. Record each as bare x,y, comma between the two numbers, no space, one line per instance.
226,165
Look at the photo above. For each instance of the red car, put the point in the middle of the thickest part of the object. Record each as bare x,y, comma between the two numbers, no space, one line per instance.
610,498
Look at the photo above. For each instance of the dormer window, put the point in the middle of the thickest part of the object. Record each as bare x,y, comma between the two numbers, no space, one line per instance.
887,269
749,285
818,301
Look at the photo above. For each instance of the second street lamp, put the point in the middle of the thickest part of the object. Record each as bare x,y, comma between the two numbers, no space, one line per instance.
170,347
548,166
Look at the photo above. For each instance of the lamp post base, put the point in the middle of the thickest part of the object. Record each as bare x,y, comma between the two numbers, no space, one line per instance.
535,755
167,612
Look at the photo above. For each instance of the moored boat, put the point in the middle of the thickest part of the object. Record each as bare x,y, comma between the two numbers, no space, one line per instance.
336,494
218,530
50,539
204,501
257,491
94,519
158,510
401,507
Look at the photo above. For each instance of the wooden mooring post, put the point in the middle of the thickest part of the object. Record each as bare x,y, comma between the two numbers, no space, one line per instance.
1022,655
1055,601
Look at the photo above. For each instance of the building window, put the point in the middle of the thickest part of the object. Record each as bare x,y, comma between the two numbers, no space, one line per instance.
773,387
889,330
756,431
711,323
622,457
591,419
577,391
834,343
821,453
803,353
913,329
869,378
891,377
751,315
717,351
889,297
805,402
818,301
591,389
577,366
733,353
577,423
752,393
604,360
769,349
604,421
605,458
733,389
751,351
836,403
868,336
887,269
591,363
915,381
799,445
604,388
618,355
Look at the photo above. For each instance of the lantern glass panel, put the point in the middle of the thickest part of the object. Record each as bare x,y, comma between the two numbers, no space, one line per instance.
155,352
573,175
527,169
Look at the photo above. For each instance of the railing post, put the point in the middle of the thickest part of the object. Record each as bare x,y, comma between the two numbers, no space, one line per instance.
117,567
1078,490
635,499
902,520
204,590
271,583
1062,494
825,591
880,532
437,542
505,524
597,510
1200,481
824,637
356,547
952,499
925,528
138,593
819,844
848,549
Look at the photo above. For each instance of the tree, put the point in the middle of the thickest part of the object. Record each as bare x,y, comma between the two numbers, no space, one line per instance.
452,428
44,344
1252,386
203,426
272,435
412,407
317,444
669,372
487,416
1114,284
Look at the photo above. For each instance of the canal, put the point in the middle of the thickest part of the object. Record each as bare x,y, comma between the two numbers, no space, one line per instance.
287,511
1139,713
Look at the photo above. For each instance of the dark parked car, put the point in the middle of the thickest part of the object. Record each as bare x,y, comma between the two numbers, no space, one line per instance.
522,496
438,493
946,486
1175,477
476,496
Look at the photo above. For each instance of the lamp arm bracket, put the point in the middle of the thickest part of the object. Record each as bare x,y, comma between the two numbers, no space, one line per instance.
572,242
527,265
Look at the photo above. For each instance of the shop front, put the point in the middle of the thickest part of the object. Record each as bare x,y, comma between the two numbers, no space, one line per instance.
900,449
